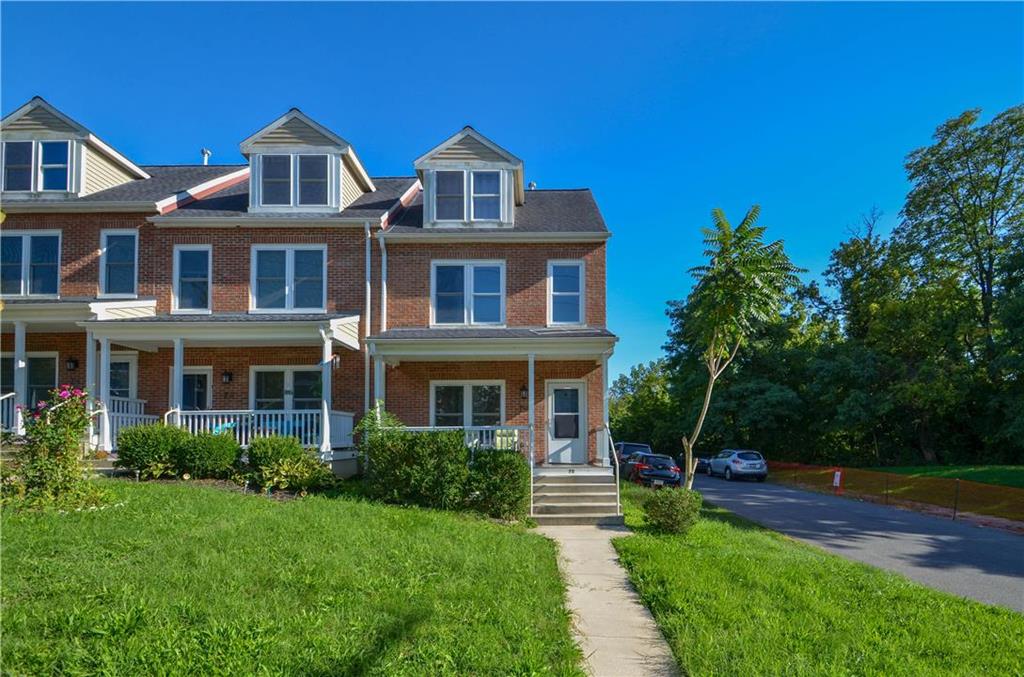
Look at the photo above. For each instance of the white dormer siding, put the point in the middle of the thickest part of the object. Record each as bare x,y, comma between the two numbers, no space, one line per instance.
298,166
470,182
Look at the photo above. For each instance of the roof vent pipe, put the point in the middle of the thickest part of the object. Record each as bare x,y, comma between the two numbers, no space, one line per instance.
206,153
532,185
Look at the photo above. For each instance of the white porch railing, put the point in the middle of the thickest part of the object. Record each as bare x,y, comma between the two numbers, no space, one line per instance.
507,437
7,411
123,412
615,462
247,425
127,405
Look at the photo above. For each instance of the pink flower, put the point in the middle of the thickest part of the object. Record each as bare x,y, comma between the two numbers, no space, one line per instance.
65,394
77,392
41,404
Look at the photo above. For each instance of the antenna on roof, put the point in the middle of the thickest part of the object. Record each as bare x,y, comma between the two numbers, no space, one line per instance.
206,153
532,185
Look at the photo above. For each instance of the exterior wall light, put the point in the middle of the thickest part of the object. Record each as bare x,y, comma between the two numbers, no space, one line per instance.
226,377
524,392
71,364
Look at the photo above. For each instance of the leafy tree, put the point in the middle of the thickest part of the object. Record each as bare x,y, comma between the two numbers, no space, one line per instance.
641,408
742,286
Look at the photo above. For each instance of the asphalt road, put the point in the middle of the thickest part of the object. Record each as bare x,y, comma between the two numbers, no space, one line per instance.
976,562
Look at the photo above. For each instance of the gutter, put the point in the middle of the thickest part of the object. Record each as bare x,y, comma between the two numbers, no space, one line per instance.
369,310
383,282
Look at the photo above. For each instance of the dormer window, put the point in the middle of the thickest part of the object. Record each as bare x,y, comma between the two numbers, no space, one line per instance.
451,196
36,165
288,180
486,196
277,179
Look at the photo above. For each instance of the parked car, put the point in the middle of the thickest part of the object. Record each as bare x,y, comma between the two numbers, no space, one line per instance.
653,470
738,463
702,463
623,450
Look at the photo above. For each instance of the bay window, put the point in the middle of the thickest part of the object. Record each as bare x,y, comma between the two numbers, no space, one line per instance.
468,292
193,270
119,263
467,403
289,278
565,292
30,263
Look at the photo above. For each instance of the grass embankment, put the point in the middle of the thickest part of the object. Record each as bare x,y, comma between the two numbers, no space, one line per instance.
735,599
1005,475
195,580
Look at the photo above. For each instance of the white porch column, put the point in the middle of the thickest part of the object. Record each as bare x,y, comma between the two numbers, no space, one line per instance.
90,383
532,413
177,376
20,376
378,381
106,439
325,396
602,438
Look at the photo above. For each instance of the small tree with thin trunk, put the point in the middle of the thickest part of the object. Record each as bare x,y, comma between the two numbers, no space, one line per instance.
742,286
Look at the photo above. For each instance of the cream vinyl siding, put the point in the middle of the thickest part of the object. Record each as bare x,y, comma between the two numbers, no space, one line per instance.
295,132
468,149
39,120
350,188
101,173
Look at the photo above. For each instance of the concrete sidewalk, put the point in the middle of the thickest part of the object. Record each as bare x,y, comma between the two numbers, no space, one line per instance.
615,631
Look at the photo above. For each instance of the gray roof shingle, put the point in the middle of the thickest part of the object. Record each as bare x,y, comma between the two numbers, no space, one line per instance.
233,202
544,211
238,317
493,333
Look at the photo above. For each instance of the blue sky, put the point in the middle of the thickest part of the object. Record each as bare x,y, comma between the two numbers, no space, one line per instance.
664,110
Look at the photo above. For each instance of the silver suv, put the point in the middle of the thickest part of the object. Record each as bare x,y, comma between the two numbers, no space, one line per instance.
739,463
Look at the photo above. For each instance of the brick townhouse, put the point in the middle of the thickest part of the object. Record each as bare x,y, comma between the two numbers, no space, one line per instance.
292,292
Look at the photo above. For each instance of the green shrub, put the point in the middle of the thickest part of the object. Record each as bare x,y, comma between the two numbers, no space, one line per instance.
47,470
150,449
499,484
297,474
672,511
266,450
207,455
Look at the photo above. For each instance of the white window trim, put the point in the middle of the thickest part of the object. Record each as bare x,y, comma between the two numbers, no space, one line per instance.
467,398
208,370
26,258
550,384
473,194
103,264
465,186
467,307
581,264
175,286
289,381
297,160
41,166
31,167
52,354
132,358
289,278
291,179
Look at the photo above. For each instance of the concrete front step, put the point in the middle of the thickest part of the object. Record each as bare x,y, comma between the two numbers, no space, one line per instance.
564,489
601,519
561,480
574,508
575,497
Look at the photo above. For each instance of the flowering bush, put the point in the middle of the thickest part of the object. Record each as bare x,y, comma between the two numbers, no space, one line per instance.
48,469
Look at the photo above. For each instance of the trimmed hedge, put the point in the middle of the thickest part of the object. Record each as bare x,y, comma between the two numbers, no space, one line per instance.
672,511
208,456
150,449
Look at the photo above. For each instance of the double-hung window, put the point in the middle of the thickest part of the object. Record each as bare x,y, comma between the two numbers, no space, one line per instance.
486,196
40,379
289,278
119,263
468,292
276,173
193,268
36,165
467,403
286,388
313,180
287,180
30,263
565,292
450,196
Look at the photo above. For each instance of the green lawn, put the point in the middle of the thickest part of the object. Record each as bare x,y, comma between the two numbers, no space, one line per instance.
1006,475
197,580
735,599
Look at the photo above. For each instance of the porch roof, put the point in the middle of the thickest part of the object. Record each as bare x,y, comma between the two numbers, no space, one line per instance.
230,329
64,314
443,343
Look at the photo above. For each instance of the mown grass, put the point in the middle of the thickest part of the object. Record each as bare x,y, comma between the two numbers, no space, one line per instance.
735,599
195,580
1005,475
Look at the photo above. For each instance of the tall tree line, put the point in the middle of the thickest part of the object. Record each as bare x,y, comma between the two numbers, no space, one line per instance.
914,351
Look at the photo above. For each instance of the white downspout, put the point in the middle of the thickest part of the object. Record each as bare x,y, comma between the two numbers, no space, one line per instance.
368,326
383,283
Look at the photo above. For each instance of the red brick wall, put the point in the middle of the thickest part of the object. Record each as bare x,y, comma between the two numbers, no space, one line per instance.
525,286
67,345
407,392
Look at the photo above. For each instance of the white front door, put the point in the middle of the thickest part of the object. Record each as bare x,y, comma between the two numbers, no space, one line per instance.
567,422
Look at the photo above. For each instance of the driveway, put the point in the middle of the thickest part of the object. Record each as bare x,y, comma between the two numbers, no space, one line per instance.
971,561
